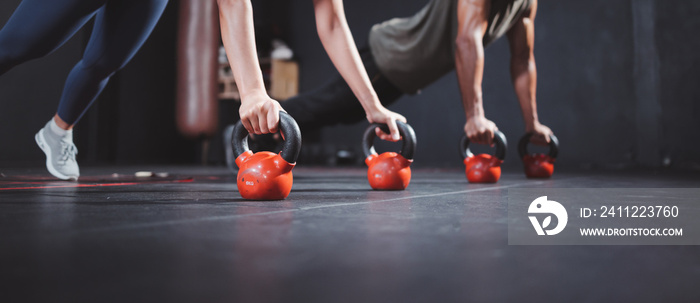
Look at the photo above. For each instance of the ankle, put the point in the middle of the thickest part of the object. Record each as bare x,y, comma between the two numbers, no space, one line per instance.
57,130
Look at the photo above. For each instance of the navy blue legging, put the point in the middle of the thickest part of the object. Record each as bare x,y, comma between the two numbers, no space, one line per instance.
38,27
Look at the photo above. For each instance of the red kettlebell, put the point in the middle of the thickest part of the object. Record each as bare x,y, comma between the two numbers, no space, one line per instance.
390,170
484,168
538,165
266,175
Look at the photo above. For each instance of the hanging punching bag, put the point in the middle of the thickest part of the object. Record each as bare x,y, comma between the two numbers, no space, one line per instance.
197,75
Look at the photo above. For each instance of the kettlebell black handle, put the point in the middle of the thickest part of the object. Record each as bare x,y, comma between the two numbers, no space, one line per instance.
409,139
287,125
498,138
525,140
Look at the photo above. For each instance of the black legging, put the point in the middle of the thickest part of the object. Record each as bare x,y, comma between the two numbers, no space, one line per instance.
38,27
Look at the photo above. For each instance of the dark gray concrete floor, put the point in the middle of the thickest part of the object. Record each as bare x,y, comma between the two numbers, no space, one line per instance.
332,240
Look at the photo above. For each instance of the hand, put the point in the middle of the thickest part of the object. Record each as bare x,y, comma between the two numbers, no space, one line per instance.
385,116
480,130
540,134
260,114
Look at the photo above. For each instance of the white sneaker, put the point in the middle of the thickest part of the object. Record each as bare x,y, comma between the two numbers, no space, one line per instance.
60,154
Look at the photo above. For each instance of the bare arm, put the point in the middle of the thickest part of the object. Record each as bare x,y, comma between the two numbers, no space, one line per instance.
259,113
337,39
469,58
523,72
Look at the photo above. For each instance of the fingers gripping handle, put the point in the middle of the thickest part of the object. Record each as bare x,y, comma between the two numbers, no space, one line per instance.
498,138
292,138
409,139
525,140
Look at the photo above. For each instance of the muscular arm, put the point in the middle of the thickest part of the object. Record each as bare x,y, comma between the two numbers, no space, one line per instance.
336,38
472,18
524,73
259,113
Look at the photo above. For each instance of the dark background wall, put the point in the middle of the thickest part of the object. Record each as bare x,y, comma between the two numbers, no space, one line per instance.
617,84
678,41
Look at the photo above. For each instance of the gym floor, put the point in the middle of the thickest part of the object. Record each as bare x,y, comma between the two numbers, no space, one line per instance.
190,237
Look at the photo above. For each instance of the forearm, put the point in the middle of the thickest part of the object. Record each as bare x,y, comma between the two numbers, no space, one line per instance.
470,70
524,77
337,40
259,113
237,33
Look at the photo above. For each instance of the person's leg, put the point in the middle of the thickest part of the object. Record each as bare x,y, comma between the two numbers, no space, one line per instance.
335,103
121,27
36,28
